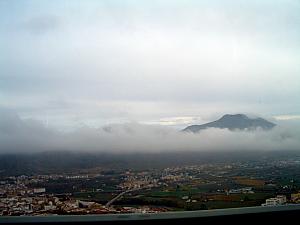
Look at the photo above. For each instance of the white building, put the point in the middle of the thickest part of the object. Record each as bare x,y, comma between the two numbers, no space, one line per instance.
278,200
39,190
49,207
281,198
244,190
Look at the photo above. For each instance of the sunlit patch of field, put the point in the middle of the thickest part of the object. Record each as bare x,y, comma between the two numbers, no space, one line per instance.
249,182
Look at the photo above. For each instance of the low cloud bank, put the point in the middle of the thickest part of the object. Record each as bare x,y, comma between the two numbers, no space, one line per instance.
17,135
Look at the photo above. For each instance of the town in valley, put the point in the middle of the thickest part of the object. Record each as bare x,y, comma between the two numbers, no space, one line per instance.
102,190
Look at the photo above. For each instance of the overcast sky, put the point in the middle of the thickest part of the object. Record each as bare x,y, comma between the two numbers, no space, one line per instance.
70,64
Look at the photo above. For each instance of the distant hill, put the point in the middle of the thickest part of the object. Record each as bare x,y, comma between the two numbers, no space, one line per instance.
233,122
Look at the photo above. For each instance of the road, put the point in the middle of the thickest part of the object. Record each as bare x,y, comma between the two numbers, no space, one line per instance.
119,196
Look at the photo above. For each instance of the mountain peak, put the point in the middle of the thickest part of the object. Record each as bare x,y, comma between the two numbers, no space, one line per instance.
234,116
233,122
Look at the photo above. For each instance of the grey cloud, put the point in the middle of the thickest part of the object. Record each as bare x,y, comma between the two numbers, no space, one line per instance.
18,135
42,24
238,55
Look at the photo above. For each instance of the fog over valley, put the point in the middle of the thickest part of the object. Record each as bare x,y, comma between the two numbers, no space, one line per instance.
21,136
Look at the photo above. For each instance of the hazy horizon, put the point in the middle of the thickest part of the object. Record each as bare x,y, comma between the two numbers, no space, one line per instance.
20,135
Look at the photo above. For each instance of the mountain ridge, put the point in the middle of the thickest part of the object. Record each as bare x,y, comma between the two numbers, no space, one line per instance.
233,122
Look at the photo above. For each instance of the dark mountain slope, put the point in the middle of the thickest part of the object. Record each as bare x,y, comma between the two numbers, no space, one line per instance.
233,122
